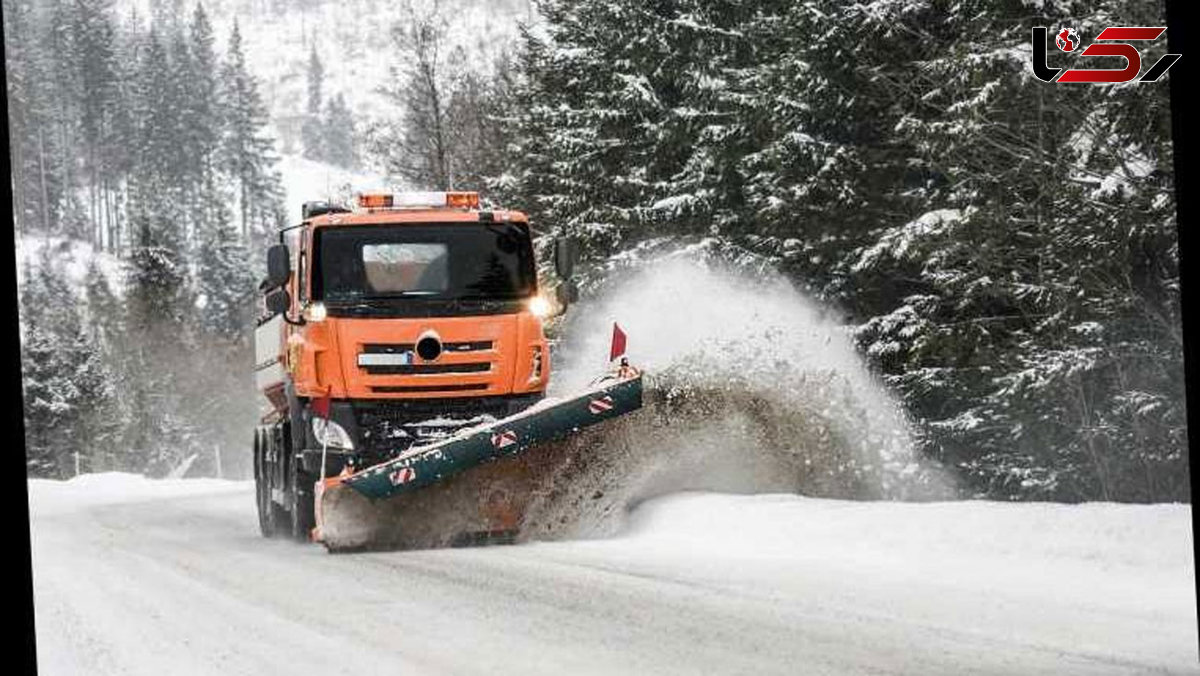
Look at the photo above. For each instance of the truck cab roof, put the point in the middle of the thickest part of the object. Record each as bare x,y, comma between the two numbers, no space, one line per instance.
395,216
407,207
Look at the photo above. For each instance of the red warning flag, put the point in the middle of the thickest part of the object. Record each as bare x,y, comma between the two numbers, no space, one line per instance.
618,343
320,407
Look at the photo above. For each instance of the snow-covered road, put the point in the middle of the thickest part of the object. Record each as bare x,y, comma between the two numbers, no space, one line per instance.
140,577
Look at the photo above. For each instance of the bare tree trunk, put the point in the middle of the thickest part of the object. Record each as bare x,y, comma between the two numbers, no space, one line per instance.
67,186
42,172
96,231
18,179
439,131
245,212
1098,461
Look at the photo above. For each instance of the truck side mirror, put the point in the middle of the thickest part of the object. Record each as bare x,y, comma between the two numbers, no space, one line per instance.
278,301
566,293
566,253
278,266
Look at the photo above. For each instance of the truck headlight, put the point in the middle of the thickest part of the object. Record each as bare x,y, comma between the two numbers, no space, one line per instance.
540,307
315,312
329,433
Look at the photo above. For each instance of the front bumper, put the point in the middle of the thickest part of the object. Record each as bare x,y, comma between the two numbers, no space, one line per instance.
384,428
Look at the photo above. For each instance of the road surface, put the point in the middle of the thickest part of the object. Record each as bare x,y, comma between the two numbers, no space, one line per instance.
140,577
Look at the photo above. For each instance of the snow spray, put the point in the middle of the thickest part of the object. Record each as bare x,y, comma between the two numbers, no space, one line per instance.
750,388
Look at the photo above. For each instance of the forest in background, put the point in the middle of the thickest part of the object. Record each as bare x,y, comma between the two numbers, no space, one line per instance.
1005,249
134,134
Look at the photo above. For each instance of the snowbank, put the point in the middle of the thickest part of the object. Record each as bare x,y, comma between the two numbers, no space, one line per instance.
47,496
789,526
1107,580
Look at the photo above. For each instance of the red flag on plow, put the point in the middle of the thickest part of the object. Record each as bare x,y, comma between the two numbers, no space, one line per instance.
618,343
320,406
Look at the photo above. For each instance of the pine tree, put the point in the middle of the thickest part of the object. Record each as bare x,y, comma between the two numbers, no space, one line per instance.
201,122
105,309
158,285
66,384
24,120
122,138
623,135
1033,324
65,96
312,131
35,144
94,51
157,212
110,414
159,343
246,154
226,284
1005,247
339,133
218,388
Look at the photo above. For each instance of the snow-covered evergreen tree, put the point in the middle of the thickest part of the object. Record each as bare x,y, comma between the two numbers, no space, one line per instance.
66,384
312,134
1005,247
338,128
139,140
247,153
202,126
1033,308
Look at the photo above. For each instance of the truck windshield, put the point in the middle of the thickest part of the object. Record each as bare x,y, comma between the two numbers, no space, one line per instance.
454,261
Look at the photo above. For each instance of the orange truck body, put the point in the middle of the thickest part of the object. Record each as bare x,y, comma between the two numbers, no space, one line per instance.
321,358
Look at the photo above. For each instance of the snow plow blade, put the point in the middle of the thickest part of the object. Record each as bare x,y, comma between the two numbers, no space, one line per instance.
469,488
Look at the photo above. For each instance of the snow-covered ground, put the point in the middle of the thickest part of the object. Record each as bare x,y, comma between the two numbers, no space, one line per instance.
71,257
133,576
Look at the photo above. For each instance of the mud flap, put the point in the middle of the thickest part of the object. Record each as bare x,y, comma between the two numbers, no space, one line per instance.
367,508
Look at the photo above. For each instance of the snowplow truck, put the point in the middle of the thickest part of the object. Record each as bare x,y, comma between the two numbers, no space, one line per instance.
401,354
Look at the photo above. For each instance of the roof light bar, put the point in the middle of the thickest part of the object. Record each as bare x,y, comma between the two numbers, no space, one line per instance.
374,200
463,200
428,200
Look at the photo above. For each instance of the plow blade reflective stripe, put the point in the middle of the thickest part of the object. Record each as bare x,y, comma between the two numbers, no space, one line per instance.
403,475
601,405
504,437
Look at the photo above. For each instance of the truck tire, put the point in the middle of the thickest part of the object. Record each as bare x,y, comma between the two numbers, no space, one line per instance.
303,515
300,486
270,515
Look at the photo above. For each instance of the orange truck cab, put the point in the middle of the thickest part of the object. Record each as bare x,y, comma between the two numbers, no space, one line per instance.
397,322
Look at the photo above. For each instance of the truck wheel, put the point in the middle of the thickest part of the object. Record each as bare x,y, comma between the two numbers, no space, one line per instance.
300,485
303,515
268,512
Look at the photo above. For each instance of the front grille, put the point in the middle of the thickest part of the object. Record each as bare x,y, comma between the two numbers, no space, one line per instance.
396,389
398,359
400,348
426,369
